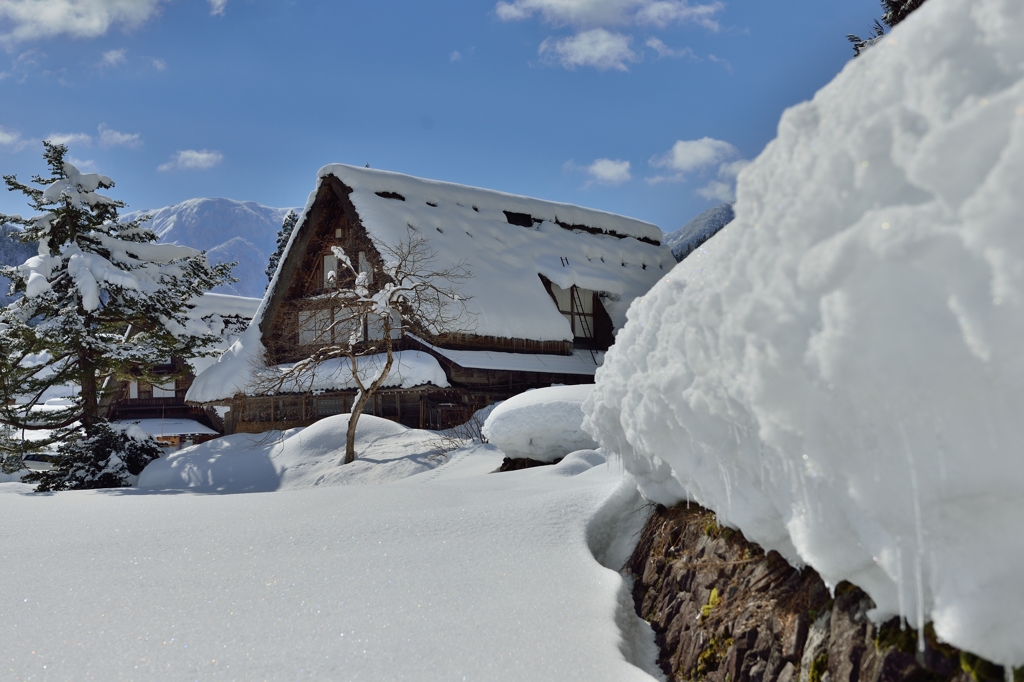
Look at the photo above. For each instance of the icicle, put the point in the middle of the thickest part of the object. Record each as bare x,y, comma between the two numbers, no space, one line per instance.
899,584
919,532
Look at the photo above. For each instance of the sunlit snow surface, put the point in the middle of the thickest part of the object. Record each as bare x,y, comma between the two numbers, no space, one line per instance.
453,573
840,372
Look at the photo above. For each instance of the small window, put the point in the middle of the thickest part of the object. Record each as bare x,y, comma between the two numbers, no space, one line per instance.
164,390
314,327
364,267
577,307
133,390
330,271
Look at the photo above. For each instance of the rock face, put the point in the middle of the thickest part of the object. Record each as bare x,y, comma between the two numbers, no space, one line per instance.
723,610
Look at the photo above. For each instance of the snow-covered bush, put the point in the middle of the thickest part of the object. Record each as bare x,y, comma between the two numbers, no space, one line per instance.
543,424
839,372
104,457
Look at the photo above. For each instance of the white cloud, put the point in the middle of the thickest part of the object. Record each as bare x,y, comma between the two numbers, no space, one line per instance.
9,138
665,12
717,190
159,64
726,64
69,138
594,45
591,13
455,56
113,57
609,172
687,156
112,138
732,168
664,50
34,19
81,164
191,159
597,47
217,7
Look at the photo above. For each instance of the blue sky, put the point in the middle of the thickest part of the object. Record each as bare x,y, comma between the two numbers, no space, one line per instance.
641,107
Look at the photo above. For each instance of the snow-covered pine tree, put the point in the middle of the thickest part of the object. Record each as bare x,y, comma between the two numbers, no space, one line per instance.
282,241
100,302
896,11
893,12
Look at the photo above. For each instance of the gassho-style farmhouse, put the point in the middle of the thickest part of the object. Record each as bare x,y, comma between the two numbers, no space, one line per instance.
549,286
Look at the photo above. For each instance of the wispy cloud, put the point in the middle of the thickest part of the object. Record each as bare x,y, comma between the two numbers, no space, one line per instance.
191,159
35,19
664,50
591,13
593,43
159,64
698,157
107,137
11,139
597,47
113,58
217,7
69,138
113,138
725,63
455,56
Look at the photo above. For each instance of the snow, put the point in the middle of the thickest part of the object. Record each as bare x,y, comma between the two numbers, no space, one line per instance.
469,225
694,233
449,573
542,424
580,362
230,231
838,372
170,427
505,297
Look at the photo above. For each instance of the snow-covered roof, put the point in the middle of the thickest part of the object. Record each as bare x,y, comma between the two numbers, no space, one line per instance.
170,427
580,362
485,230
221,315
507,242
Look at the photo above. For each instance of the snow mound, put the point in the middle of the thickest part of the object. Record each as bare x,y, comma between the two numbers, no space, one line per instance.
839,372
690,236
297,458
543,424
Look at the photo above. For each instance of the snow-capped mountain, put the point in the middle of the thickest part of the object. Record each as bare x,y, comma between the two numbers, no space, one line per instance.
694,233
228,231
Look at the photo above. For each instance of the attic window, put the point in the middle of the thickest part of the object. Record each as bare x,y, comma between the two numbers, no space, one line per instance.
577,307
390,195
520,219
431,203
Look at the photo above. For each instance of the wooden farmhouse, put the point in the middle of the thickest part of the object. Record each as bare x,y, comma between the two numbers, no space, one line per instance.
549,286
160,409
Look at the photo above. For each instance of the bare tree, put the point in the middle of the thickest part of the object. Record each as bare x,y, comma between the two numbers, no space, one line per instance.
364,321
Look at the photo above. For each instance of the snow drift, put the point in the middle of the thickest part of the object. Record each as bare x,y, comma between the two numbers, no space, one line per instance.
839,372
543,424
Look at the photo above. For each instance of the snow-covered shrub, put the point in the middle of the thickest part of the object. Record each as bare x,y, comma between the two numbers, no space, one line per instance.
543,424
839,371
104,457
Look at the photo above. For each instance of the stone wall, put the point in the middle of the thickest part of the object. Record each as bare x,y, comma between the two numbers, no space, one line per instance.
724,611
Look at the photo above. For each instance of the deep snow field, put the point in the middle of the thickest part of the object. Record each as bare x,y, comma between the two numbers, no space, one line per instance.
404,565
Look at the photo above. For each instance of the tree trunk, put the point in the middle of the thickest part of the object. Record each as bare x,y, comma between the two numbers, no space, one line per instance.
90,391
362,397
